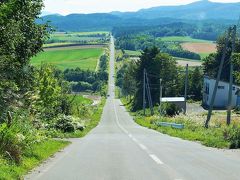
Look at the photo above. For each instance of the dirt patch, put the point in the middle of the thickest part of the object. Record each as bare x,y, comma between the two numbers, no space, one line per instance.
199,47
54,48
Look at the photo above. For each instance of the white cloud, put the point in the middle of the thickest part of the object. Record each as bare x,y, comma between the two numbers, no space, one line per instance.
92,6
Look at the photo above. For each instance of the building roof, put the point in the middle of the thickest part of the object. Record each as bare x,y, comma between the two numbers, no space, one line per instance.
173,99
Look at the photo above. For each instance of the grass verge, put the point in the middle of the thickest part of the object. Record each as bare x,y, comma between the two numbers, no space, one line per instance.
91,122
31,158
218,135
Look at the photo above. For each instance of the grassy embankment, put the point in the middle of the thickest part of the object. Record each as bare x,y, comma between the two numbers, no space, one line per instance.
31,158
218,135
41,151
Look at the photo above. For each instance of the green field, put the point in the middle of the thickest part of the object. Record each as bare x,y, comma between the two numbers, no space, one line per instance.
132,53
70,58
78,37
79,99
181,39
203,55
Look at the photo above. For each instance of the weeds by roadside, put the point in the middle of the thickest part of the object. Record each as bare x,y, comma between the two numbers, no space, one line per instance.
218,135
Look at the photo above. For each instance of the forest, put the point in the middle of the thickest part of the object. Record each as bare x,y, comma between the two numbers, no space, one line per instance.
139,38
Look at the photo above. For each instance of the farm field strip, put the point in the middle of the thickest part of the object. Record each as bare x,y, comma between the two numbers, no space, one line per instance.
192,63
70,58
73,46
199,47
183,39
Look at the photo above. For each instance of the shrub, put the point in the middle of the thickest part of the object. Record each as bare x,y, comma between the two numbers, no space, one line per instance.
68,124
17,137
170,109
232,134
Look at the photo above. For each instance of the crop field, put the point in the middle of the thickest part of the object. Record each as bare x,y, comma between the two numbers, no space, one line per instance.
133,53
70,58
183,62
60,38
200,47
182,39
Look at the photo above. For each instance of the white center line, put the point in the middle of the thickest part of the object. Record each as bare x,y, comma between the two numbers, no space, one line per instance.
156,159
143,147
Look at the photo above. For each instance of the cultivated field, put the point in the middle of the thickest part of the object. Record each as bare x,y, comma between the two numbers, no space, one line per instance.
65,58
182,39
63,38
200,47
183,63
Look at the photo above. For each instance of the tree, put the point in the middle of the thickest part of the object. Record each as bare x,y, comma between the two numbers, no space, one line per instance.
129,82
196,84
212,62
20,39
158,65
49,91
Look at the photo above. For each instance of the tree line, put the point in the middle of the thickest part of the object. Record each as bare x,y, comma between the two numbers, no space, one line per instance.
142,41
85,80
158,66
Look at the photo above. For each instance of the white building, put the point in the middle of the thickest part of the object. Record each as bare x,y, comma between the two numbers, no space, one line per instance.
221,100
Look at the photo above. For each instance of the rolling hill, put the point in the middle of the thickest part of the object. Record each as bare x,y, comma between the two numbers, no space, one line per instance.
199,11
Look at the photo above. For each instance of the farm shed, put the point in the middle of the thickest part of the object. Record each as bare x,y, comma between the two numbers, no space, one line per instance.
221,100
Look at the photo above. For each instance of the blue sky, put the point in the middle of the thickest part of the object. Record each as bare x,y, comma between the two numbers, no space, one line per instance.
91,6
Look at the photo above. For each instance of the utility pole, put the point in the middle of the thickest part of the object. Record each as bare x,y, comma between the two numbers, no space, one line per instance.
186,88
149,96
218,78
144,92
229,108
160,98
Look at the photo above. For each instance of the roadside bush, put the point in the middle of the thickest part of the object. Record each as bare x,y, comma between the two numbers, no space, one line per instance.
232,134
16,137
68,124
170,109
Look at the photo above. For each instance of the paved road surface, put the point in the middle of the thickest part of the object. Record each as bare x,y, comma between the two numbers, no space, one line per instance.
119,149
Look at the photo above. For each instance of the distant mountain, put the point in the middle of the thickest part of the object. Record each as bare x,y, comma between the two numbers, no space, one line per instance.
82,22
198,11
46,13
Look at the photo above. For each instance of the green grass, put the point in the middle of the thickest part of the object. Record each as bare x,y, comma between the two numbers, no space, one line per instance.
31,158
203,55
93,121
218,135
77,37
90,33
57,44
182,39
133,53
70,58
78,99
185,59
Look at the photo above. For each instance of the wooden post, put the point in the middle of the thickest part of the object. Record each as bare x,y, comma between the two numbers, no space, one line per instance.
218,79
229,108
144,92
186,88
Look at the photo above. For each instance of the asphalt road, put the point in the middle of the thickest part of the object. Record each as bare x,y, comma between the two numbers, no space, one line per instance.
119,149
